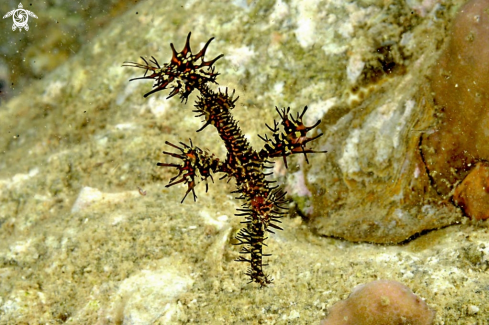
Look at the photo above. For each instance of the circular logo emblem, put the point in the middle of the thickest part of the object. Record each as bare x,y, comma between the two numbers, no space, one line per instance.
20,17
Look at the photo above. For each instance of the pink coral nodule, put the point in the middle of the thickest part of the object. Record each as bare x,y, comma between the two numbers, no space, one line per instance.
382,302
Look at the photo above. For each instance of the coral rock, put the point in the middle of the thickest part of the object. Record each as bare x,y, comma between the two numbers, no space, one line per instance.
373,185
382,302
461,92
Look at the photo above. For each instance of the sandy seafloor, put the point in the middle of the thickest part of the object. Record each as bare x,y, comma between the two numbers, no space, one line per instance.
90,235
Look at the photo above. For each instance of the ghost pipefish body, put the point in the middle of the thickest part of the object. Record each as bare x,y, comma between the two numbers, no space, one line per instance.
264,204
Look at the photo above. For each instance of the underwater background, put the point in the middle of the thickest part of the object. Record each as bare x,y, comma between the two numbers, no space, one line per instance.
89,234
